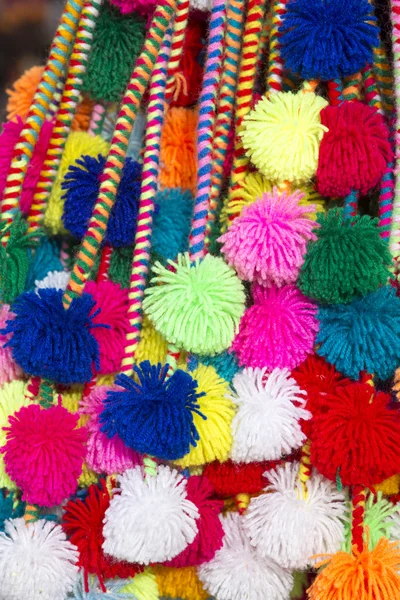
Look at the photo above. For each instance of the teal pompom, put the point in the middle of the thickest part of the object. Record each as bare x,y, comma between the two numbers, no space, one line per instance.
172,219
46,259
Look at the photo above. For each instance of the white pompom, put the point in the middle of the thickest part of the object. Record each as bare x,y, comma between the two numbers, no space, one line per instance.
291,528
237,572
266,425
55,280
151,519
203,5
37,562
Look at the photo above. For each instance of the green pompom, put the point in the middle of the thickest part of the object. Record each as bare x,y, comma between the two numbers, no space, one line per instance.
117,41
197,306
348,259
120,267
378,521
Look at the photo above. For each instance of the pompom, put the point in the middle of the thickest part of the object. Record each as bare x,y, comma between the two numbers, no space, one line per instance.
82,184
179,583
328,40
357,437
82,521
238,571
104,455
45,260
155,415
379,521
79,143
230,479
363,335
8,139
57,280
291,526
203,5
12,398
191,67
21,94
129,6
143,586
368,575
172,220
113,591
10,507
267,423
278,330
355,150
119,270
152,345
51,342
44,453
210,532
225,364
282,121
358,265
117,41
36,561
178,153
198,306
9,369
267,242
214,399
151,519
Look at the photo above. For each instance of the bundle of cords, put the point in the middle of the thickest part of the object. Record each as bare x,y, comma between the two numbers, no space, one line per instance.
199,309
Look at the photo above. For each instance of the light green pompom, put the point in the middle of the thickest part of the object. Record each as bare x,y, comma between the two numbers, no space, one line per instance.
197,307
378,521
143,586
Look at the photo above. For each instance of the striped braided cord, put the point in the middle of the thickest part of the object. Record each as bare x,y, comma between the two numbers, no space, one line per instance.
53,73
275,67
66,112
174,82
371,90
205,129
394,242
116,158
335,92
351,87
357,517
97,119
384,77
305,467
224,120
141,254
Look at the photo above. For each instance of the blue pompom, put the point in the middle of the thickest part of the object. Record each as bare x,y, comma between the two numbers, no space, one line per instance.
82,183
51,342
225,364
95,593
45,260
363,335
154,416
7,508
326,39
172,221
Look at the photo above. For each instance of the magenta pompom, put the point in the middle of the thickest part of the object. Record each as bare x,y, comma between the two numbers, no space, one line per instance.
9,370
129,6
278,330
267,242
44,453
112,304
104,455
210,531
8,139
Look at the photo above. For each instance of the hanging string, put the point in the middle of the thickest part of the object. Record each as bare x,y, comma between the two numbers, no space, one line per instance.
176,80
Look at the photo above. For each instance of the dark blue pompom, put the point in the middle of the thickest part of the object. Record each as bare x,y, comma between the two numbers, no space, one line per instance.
154,416
326,39
172,222
82,183
51,342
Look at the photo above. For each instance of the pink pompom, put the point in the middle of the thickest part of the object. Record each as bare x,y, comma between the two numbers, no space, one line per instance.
104,455
44,453
8,139
355,150
278,330
9,370
112,304
210,531
129,6
267,242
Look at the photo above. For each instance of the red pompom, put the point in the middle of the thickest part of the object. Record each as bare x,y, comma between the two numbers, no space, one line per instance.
230,479
210,531
190,66
354,153
83,524
358,437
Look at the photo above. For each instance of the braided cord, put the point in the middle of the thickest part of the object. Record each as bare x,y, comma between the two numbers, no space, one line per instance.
357,517
394,241
174,80
205,129
66,112
305,467
53,73
113,169
371,90
384,77
275,67
224,121
141,254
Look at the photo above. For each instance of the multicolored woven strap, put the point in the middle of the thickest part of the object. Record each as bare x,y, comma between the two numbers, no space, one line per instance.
119,145
66,112
53,74
394,241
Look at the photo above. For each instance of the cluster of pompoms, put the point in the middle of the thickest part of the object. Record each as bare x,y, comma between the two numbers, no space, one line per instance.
210,414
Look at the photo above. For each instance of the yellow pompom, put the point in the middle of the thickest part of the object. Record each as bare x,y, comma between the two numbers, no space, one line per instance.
180,583
389,486
215,432
143,586
282,135
152,345
79,143
106,379
12,398
21,94
87,477
71,397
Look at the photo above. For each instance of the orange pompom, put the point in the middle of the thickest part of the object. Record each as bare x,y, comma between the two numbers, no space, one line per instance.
183,583
21,94
178,150
83,114
362,575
